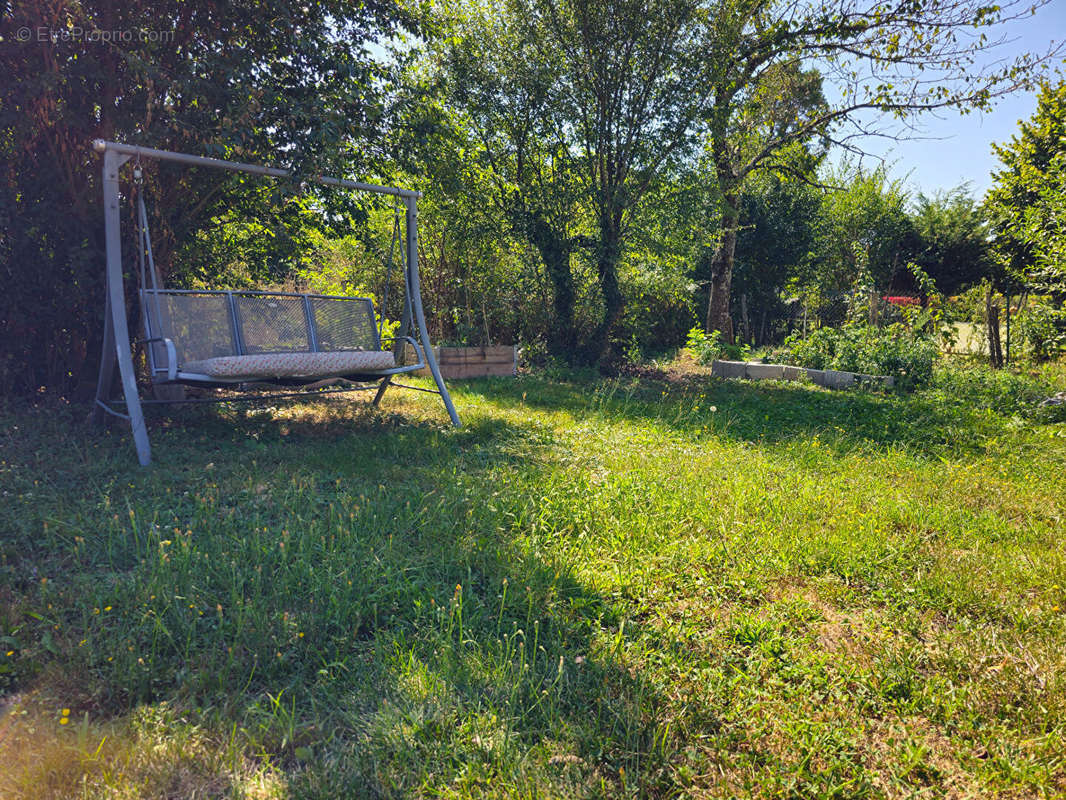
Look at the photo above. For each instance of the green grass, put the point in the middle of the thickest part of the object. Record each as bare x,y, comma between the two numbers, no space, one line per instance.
593,588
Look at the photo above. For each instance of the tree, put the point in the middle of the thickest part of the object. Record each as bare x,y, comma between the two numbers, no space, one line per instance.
251,79
953,232
633,86
580,106
1045,227
865,233
744,122
502,113
899,59
1027,202
669,234
473,276
1027,207
776,243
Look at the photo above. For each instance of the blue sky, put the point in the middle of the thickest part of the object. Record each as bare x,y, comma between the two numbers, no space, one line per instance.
958,148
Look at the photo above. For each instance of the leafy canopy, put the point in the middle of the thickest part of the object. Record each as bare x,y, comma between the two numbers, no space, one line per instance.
1027,201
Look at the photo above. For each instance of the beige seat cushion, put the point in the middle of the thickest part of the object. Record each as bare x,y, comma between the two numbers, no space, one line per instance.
293,365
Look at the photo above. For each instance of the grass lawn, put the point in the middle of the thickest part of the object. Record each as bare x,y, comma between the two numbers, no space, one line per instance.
601,588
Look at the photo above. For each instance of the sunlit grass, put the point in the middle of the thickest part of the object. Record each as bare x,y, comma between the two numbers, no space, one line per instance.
593,588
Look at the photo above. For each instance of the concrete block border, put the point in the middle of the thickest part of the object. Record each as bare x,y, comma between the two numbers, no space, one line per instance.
829,378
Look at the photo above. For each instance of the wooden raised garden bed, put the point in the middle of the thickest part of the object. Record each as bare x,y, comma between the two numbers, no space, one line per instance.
472,362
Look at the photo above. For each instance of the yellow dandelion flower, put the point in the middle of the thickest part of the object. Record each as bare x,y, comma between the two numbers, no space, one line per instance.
64,721
65,712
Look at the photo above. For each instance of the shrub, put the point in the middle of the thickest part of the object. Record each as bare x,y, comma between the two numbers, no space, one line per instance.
1043,327
894,350
706,347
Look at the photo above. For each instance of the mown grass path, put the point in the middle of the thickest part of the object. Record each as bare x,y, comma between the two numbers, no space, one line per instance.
594,588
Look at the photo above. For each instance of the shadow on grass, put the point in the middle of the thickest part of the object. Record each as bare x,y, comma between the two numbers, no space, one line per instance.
355,595
763,412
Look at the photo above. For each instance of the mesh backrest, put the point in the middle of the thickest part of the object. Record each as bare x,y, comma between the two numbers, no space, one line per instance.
344,324
199,325
272,323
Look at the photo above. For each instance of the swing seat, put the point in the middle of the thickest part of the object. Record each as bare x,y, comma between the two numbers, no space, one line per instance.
292,365
213,338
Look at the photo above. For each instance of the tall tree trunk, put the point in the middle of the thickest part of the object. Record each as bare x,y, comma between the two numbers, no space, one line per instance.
556,257
718,317
554,248
607,259
745,322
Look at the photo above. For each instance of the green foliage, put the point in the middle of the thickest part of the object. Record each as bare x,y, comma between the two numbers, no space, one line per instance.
574,108
707,347
558,142
704,347
866,235
936,317
895,350
1002,391
913,61
1045,229
502,183
862,293
1028,196
954,248
1042,324
776,243
668,232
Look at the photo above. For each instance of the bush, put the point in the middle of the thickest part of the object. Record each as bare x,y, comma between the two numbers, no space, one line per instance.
894,350
1043,327
706,347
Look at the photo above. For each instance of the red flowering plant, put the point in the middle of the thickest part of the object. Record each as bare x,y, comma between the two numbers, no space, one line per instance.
901,300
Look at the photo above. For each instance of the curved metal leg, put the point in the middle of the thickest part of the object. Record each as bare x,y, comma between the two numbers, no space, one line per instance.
116,302
381,390
416,303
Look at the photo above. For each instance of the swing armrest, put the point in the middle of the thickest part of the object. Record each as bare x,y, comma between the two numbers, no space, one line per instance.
172,354
420,351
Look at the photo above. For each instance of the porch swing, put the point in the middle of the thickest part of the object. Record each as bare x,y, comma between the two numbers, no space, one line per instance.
243,339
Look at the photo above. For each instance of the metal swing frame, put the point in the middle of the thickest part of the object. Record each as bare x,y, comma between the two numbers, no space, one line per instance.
117,344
